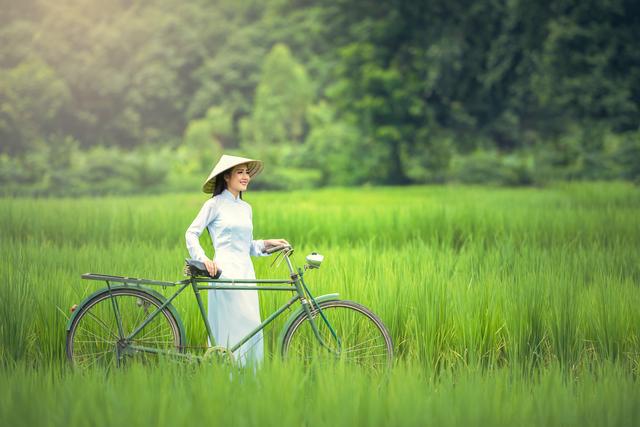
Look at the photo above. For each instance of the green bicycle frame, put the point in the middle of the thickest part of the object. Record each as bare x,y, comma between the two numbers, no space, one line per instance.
294,284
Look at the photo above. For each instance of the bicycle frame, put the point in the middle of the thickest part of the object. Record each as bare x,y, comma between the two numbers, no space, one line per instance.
294,284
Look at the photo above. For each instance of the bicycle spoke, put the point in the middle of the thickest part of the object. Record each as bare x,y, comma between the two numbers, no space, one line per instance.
94,359
93,341
85,342
364,345
90,353
155,328
101,323
140,313
360,339
87,331
146,343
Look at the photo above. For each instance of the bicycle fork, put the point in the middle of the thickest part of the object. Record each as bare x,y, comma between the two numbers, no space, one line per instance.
305,295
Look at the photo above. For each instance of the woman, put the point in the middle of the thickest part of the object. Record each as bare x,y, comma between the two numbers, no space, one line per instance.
228,218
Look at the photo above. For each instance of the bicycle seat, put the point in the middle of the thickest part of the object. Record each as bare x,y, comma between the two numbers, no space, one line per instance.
197,268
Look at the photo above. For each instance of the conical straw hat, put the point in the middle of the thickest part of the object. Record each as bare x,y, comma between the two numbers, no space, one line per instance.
227,162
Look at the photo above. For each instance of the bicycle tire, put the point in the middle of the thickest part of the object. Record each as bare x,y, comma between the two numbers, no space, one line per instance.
363,333
93,336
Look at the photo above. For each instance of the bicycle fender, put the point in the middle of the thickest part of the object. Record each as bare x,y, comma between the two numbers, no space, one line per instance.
295,314
153,292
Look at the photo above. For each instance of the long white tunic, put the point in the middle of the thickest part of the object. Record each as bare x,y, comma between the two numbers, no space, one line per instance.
232,314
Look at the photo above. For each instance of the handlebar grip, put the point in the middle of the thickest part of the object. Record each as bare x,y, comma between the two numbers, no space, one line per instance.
276,249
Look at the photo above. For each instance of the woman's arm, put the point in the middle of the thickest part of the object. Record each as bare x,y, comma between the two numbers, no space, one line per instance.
257,248
192,236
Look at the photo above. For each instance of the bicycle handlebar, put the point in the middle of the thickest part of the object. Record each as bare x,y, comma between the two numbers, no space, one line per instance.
276,249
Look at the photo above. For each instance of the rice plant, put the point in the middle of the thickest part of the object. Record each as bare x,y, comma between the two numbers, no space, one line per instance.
510,306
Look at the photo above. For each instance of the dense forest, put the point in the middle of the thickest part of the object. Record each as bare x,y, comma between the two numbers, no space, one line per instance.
126,96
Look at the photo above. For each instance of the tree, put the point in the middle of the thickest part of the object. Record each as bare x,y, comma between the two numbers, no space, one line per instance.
32,96
336,148
203,138
282,98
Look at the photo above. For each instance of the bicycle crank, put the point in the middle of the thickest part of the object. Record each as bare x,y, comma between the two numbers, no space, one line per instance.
219,354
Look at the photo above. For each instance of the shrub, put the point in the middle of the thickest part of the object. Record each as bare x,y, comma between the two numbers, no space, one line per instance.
490,167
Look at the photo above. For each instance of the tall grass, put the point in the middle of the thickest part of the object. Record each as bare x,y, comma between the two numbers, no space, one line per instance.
504,304
289,395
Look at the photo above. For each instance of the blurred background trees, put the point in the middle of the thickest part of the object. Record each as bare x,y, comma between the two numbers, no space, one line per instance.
144,96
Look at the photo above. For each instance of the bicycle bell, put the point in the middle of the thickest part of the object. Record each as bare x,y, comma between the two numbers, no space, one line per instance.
314,260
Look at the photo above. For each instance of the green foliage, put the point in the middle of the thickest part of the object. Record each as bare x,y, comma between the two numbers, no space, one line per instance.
490,167
288,178
203,140
32,96
408,85
428,160
628,156
59,168
336,148
371,97
589,152
582,61
281,100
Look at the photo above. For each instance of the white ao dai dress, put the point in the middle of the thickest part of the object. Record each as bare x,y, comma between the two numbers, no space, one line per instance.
231,314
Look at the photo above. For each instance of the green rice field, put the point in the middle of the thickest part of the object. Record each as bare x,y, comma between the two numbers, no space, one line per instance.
506,307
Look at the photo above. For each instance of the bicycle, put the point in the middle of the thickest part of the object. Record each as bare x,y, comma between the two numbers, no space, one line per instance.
127,320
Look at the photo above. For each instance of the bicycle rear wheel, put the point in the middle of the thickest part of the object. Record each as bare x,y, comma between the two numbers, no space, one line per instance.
362,338
94,338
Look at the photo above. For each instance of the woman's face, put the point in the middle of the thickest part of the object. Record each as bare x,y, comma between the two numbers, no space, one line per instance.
238,179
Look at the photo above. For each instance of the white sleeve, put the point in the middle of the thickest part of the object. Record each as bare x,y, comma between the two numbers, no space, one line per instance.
207,214
257,246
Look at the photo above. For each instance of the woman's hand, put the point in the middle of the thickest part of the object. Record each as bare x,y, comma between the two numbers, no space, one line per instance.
272,243
212,268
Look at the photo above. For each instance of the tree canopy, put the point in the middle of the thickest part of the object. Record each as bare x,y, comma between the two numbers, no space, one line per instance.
410,89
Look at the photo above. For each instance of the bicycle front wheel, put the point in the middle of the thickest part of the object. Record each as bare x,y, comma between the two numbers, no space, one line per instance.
95,338
360,336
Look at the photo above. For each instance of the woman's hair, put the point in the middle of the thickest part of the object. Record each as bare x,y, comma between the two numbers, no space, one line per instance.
221,184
